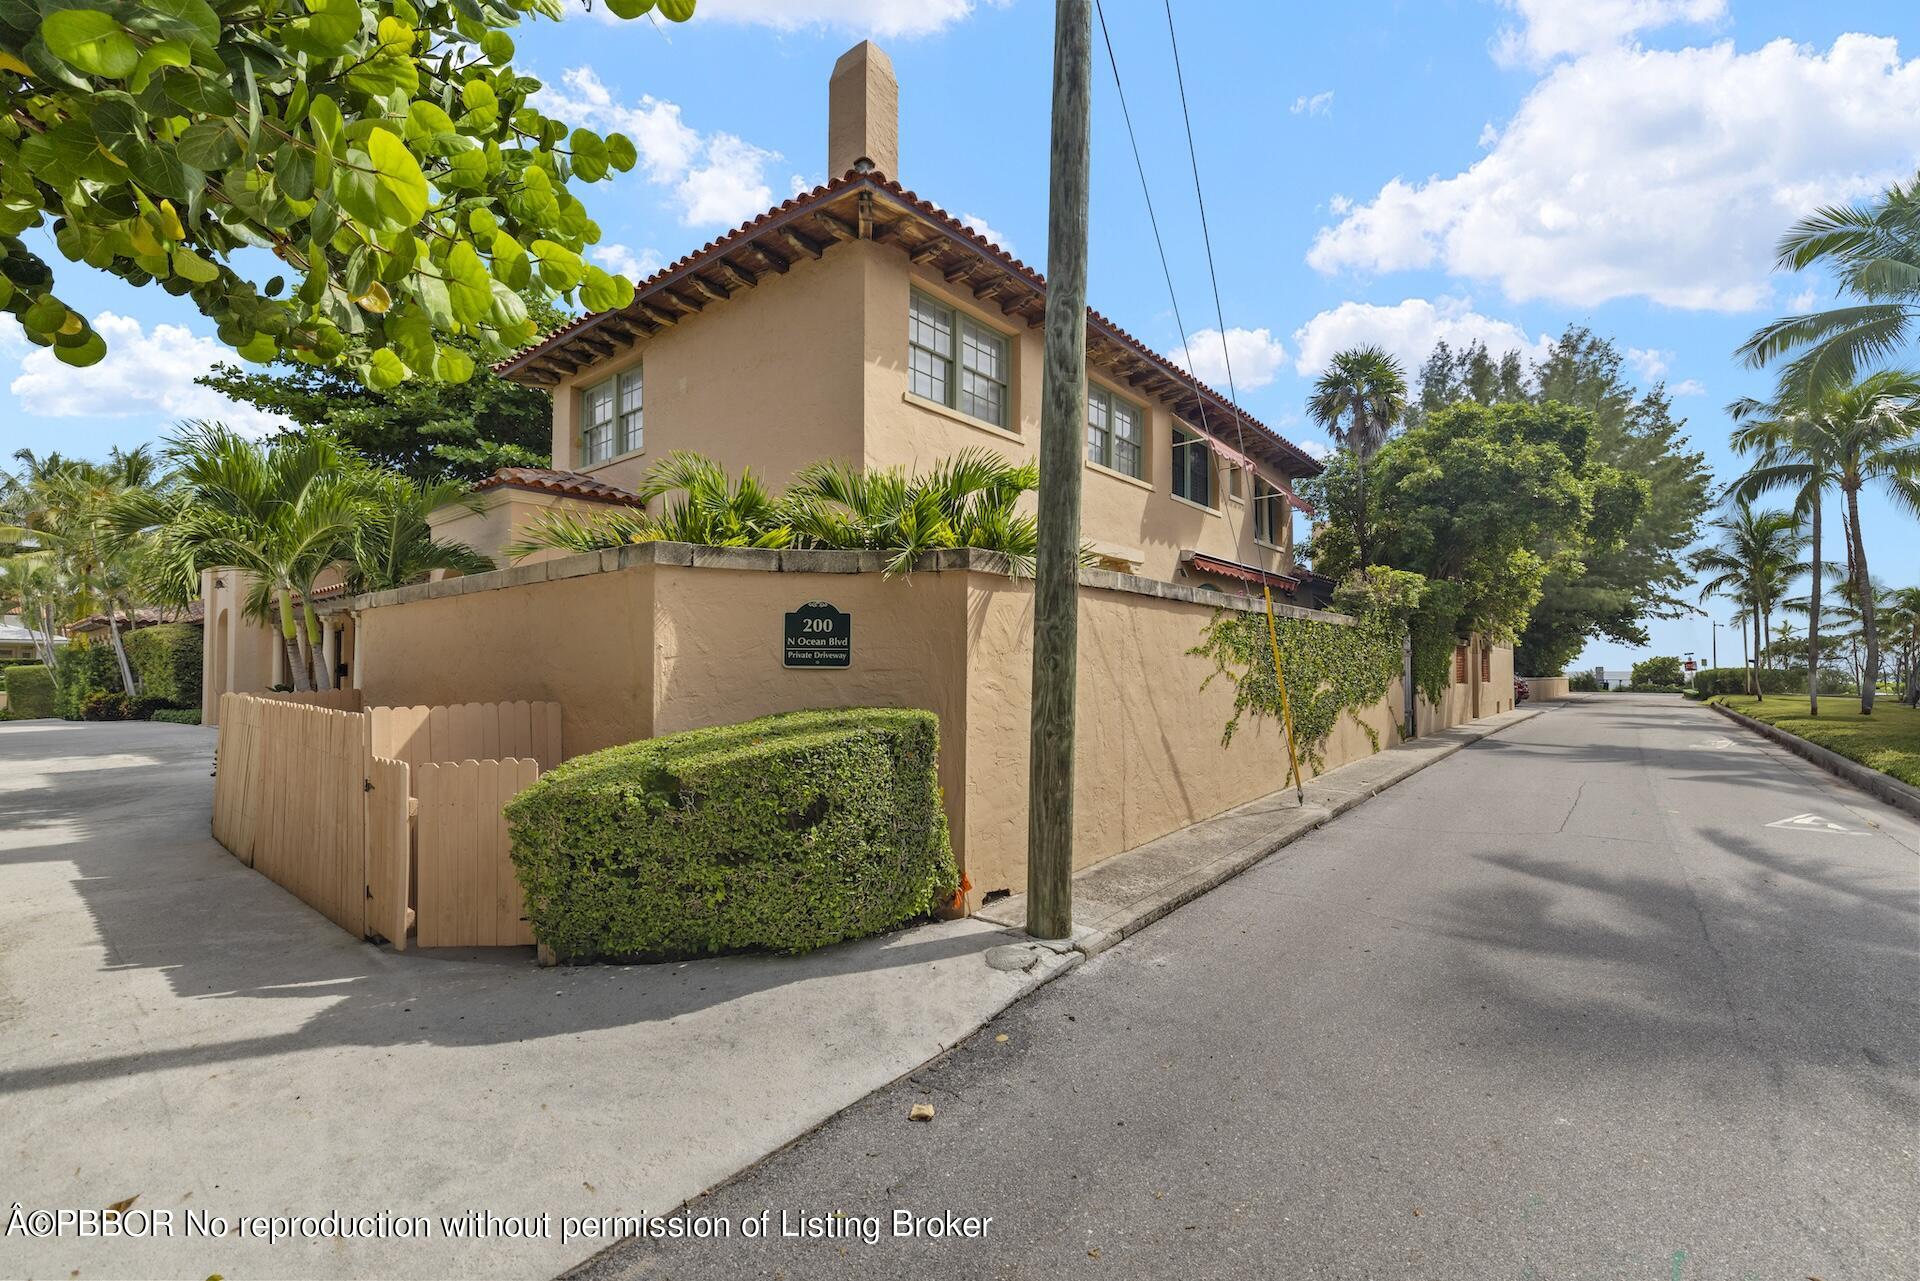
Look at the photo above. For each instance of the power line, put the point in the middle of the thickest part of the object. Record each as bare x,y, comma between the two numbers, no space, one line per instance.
1173,296
1206,236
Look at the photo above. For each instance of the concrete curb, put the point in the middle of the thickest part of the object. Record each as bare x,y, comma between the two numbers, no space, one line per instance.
1882,787
1098,925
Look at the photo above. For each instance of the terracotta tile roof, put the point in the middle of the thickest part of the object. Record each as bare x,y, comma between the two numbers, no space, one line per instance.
145,616
853,181
1201,563
573,484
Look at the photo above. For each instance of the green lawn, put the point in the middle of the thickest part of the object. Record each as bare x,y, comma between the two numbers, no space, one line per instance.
1888,740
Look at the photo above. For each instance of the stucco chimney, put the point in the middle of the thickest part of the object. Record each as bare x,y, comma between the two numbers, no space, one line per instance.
863,113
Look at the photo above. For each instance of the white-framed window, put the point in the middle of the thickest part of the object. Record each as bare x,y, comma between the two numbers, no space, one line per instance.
1116,432
1234,483
1269,513
956,361
1192,467
612,417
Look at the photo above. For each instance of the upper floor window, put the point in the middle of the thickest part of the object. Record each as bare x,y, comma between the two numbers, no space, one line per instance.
1269,513
611,418
957,361
1115,431
1192,468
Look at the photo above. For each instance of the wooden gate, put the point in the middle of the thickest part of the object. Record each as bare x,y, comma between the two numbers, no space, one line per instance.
468,893
367,817
468,731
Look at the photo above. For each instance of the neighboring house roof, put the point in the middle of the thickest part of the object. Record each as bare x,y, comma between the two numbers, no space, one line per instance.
572,484
12,633
871,206
1201,563
146,616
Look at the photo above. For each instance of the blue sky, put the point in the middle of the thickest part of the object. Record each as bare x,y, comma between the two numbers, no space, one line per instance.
1374,171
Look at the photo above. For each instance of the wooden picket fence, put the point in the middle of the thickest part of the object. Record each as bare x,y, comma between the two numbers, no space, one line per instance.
339,700
360,816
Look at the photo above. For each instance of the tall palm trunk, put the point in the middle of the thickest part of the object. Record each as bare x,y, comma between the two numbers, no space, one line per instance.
1869,628
120,651
1813,616
290,643
316,648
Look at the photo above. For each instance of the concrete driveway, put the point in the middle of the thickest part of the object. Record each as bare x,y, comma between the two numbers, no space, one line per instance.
176,1028
1623,994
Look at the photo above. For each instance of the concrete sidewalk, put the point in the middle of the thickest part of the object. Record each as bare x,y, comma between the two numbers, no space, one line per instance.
175,1027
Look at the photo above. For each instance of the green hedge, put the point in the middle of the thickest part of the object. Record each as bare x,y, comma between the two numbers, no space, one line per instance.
86,668
30,691
177,715
785,833
1733,680
166,663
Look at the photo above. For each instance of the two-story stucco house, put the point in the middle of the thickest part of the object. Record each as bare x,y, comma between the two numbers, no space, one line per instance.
860,322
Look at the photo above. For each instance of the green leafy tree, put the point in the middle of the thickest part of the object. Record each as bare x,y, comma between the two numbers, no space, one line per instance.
1661,671
1615,585
1483,501
427,430
384,152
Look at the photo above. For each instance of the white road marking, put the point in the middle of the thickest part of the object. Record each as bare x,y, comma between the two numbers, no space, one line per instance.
1815,823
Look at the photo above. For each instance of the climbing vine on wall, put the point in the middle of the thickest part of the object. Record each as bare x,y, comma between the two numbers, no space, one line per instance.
1331,669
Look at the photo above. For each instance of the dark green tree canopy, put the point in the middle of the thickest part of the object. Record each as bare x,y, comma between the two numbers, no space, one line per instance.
426,430
1485,499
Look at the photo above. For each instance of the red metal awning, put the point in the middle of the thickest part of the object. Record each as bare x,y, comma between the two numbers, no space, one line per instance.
1201,563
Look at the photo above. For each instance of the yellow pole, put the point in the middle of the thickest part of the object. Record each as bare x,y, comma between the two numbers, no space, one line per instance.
1286,709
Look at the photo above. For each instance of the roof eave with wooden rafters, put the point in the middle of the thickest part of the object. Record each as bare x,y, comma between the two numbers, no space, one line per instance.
869,206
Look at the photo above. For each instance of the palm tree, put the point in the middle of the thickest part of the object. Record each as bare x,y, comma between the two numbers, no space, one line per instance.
1757,557
1358,399
1796,452
969,500
284,511
1873,252
393,543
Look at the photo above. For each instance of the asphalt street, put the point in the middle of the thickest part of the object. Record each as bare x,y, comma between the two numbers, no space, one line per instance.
1624,992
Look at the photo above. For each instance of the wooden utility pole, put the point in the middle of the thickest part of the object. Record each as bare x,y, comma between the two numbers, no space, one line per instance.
1063,430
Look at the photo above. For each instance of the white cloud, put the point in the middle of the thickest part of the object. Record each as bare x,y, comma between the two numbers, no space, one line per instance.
1802,302
623,260
882,18
1650,363
980,226
1315,449
13,339
1688,387
1553,28
144,373
1256,355
1407,331
1664,175
1319,104
717,179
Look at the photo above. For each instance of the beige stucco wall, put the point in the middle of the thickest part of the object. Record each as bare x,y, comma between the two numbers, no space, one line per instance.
1547,688
769,379
632,648
237,654
812,365
499,517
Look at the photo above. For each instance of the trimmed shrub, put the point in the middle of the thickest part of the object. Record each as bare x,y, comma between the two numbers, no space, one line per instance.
166,663
1583,683
85,669
785,833
30,691
177,715
102,705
